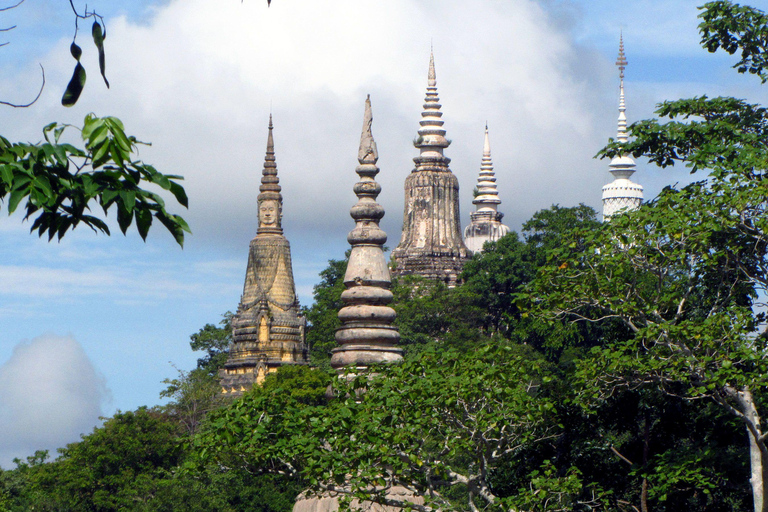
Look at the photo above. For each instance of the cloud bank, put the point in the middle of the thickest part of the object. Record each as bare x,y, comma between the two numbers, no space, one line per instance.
50,393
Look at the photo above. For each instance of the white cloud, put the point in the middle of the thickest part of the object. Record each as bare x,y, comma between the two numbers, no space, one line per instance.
50,393
200,78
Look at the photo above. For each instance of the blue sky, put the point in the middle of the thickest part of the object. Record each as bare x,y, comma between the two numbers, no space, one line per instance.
98,322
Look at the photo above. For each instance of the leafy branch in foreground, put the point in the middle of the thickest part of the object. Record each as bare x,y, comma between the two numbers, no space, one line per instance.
733,27
61,182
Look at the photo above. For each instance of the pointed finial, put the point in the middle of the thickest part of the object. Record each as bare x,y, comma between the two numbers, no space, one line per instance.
270,200
487,195
367,154
431,75
431,140
621,62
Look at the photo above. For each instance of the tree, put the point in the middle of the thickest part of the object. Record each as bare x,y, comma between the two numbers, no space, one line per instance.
322,316
215,342
504,267
430,313
439,424
686,272
193,394
61,182
116,467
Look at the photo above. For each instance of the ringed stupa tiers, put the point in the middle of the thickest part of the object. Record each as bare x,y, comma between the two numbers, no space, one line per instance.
431,245
485,224
622,193
367,334
268,328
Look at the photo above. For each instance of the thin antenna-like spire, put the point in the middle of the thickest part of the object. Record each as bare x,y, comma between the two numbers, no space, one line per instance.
622,193
621,62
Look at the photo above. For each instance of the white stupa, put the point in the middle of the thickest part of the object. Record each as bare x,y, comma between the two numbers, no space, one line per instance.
485,224
622,193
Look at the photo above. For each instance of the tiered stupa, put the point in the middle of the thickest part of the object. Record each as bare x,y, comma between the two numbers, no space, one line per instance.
268,328
622,193
431,245
485,224
367,334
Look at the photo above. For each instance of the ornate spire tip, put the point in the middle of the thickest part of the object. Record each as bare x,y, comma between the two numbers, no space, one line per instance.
431,75
367,154
621,62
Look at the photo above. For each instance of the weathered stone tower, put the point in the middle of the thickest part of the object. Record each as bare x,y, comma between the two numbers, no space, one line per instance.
367,334
485,224
431,244
268,328
622,193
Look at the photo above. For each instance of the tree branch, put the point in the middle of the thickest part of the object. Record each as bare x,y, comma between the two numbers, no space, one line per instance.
42,70
12,6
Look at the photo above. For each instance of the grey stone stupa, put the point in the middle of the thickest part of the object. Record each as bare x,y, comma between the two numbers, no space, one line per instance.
268,328
367,334
431,245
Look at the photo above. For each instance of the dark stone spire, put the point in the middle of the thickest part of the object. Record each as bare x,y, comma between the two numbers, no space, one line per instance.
268,328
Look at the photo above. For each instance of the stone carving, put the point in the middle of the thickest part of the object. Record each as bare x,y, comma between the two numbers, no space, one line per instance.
431,245
367,335
268,328
485,224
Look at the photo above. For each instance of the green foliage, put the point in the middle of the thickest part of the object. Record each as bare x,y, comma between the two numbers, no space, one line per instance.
547,229
61,182
193,395
444,418
494,276
215,342
299,382
686,275
430,312
322,316
131,464
114,468
735,28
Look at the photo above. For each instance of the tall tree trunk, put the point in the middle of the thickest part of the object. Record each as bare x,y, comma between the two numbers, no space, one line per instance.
758,452
646,453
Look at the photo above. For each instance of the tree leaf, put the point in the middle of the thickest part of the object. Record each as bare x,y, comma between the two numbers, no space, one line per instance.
75,86
143,221
98,40
76,51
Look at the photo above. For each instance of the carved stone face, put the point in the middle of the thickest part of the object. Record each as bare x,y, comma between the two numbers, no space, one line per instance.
269,212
